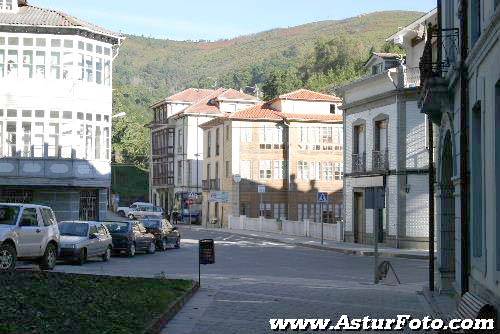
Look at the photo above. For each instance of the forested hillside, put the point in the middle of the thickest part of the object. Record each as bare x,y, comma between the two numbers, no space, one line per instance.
320,56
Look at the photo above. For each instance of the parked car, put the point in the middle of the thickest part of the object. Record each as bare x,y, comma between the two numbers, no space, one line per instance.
130,237
28,232
82,240
139,210
165,234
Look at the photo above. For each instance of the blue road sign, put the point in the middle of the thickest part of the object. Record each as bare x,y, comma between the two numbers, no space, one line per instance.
322,197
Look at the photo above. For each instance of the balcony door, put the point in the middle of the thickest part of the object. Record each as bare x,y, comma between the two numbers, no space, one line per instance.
359,139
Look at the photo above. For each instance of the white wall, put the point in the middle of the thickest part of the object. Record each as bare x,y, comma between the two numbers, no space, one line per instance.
417,155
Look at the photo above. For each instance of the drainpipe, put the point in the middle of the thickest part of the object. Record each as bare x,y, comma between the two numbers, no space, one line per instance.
464,145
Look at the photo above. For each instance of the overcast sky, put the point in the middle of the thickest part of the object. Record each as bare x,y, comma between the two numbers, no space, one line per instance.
216,19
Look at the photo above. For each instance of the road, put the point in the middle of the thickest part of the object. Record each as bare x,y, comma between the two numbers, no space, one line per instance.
254,280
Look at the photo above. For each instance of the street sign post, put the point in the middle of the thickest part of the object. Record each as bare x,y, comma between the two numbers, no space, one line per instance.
261,189
206,254
375,199
322,198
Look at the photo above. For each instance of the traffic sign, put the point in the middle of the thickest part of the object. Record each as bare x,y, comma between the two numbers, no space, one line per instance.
322,197
261,189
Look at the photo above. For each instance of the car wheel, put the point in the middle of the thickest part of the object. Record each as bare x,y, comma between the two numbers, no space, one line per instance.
131,250
178,242
49,259
164,245
121,213
8,258
107,255
82,257
152,248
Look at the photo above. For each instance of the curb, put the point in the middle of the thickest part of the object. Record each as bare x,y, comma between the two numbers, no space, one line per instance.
332,249
157,326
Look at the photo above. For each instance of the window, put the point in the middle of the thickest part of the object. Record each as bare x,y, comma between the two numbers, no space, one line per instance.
54,114
359,139
303,212
48,217
265,171
228,169
244,209
316,171
266,210
67,115
246,169
27,69
381,136
38,140
67,139
11,139
280,211
328,171
246,133
107,73
378,68
12,63
107,143
477,180
97,142
209,172
280,170
209,143
68,69
333,109
217,145
227,132
26,139
53,143
29,218
89,68
88,141
81,67
2,62
303,170
339,171
55,65
98,71
327,135
475,7
180,172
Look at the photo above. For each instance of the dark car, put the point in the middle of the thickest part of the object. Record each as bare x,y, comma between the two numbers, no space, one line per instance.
130,237
165,234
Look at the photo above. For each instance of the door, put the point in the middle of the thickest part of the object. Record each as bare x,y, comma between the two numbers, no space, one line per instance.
94,244
359,212
30,234
140,238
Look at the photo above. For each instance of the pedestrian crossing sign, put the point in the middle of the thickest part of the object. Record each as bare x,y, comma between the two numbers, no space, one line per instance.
322,197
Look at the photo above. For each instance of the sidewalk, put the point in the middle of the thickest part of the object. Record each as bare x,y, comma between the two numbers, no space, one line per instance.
341,247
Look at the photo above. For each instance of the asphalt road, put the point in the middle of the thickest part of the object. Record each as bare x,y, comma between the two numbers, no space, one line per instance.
254,280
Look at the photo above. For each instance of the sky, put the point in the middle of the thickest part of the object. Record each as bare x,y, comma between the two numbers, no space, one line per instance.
217,19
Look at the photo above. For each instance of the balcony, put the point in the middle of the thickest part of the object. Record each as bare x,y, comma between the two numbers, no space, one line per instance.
212,184
380,160
359,163
215,184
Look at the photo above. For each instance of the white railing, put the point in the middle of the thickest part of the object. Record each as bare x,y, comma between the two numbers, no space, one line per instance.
304,228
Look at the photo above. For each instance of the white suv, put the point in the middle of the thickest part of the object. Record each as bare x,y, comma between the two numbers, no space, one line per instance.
139,210
28,232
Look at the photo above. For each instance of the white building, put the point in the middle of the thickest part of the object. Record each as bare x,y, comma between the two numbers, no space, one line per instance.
461,94
177,142
385,147
55,110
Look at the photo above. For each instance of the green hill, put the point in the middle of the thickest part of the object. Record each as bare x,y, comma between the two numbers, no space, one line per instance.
148,69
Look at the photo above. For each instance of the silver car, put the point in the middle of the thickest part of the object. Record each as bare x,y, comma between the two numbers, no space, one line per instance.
81,240
28,232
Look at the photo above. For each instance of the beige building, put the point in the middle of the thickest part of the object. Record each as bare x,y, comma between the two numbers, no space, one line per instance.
290,148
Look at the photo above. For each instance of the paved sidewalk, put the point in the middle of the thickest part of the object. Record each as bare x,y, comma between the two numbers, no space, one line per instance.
341,247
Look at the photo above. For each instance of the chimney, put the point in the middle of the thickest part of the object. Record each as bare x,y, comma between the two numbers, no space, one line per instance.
22,3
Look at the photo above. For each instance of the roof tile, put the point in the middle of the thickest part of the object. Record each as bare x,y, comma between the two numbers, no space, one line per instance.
309,95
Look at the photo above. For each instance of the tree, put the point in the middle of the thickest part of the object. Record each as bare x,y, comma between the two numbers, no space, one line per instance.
281,81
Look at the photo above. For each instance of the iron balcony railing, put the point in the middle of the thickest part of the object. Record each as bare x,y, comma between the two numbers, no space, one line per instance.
380,160
359,163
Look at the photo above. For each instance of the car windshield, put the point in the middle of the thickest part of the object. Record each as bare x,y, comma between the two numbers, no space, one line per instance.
8,214
151,223
118,227
74,229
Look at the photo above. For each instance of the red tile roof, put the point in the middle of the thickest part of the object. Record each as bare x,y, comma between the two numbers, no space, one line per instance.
260,111
233,94
191,95
309,95
322,118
